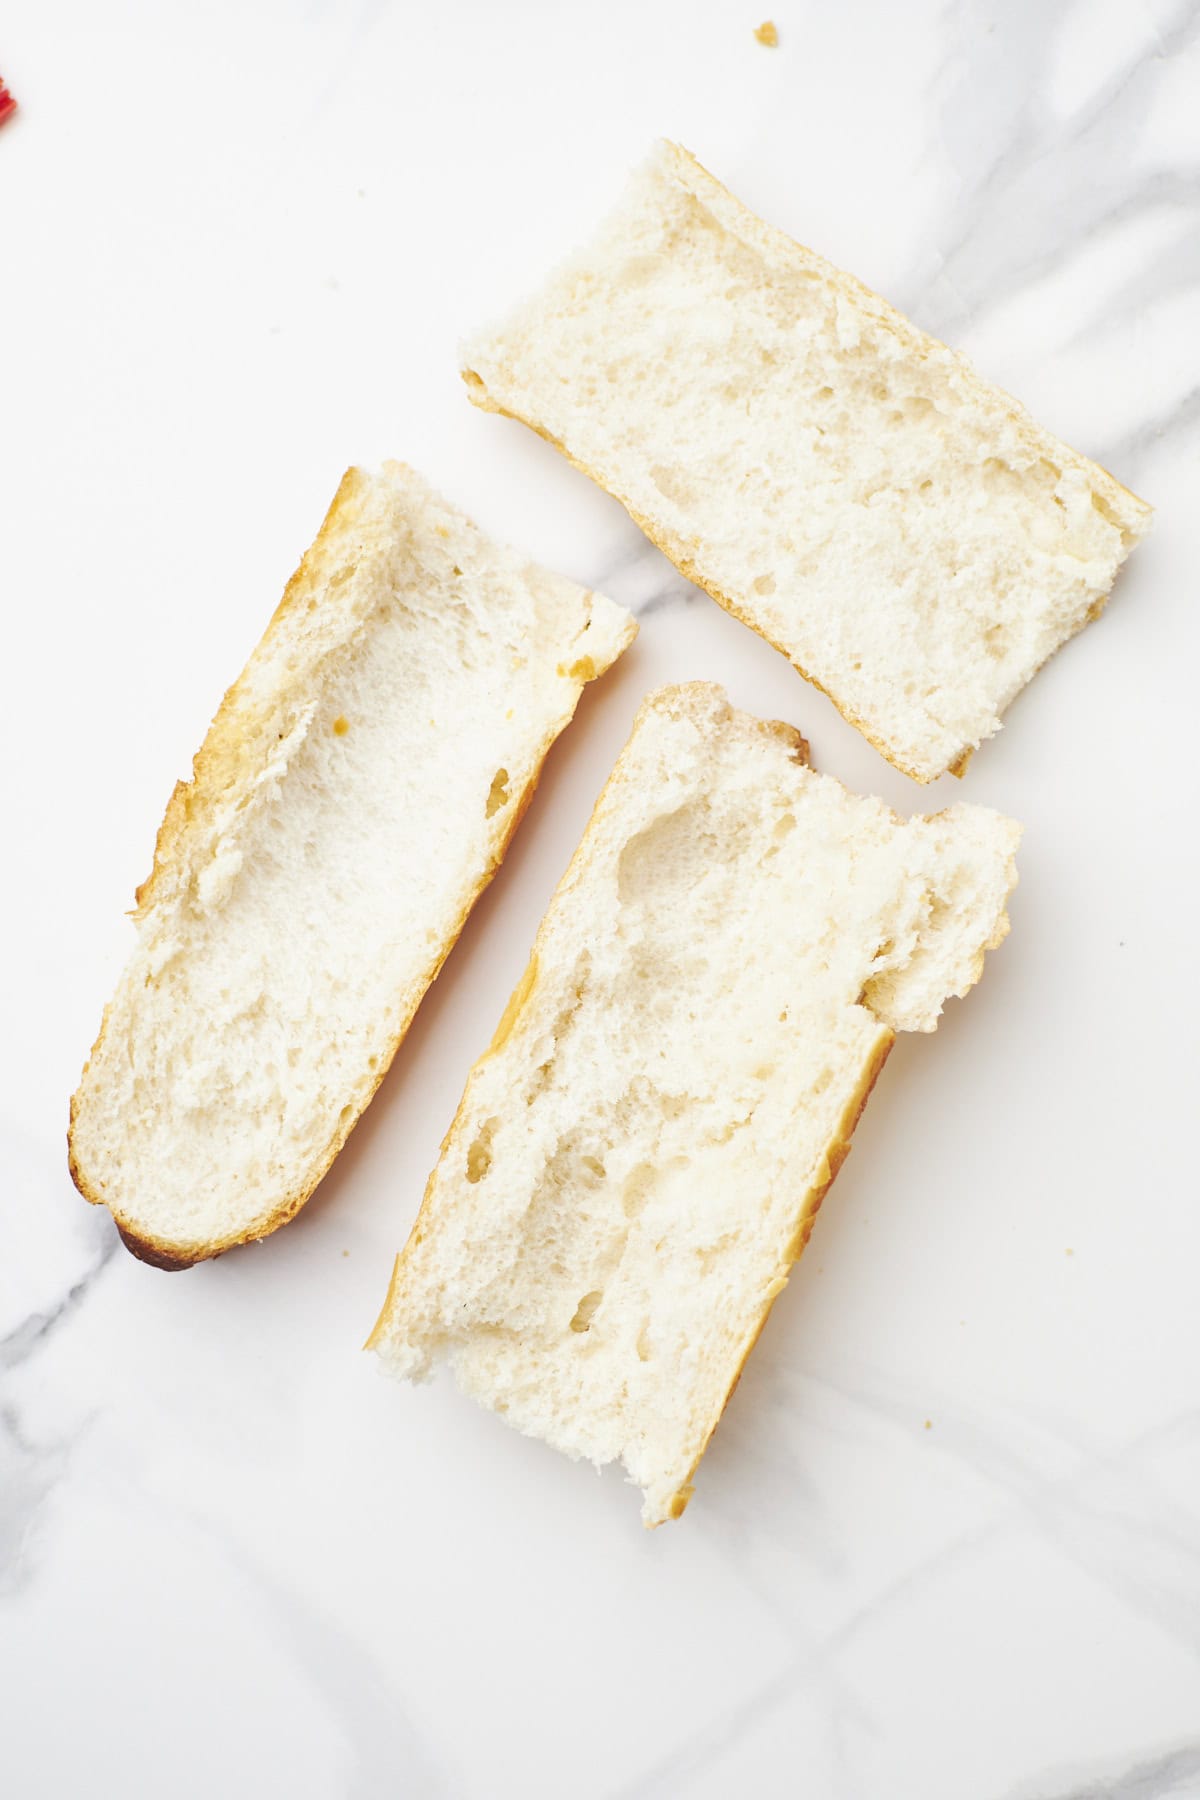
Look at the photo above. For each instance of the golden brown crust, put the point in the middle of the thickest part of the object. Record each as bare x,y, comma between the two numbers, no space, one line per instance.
836,1152
377,1330
218,762
215,766
147,1251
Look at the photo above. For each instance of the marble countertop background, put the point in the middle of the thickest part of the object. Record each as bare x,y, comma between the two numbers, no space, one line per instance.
946,1545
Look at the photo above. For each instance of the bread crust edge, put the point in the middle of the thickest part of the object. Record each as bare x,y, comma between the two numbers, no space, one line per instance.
682,556
834,1155
221,739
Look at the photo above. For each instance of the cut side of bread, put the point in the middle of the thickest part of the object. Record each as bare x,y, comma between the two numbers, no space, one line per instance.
354,795
843,483
638,1158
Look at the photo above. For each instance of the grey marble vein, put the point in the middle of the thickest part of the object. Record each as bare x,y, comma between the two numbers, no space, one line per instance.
1172,270
1176,420
1108,1542
1173,1775
642,578
37,1328
671,1774
1009,150
28,1474
670,594
1105,1515
31,1470
390,1752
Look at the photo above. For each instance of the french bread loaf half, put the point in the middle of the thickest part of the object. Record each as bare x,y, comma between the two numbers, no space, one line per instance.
901,530
355,793
639,1156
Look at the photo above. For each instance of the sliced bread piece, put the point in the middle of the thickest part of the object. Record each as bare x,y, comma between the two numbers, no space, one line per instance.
638,1159
354,795
902,531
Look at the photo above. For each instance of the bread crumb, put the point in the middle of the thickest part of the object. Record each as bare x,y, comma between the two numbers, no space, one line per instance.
582,669
767,34
1070,1252
341,725
929,1424
498,794
345,1253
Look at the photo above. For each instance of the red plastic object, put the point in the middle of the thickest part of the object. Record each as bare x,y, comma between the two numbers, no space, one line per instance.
8,105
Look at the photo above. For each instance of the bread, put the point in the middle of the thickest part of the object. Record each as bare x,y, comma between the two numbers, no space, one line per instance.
354,795
846,485
638,1159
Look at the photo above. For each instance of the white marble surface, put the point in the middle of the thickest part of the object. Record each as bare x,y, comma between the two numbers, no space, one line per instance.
947,1541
